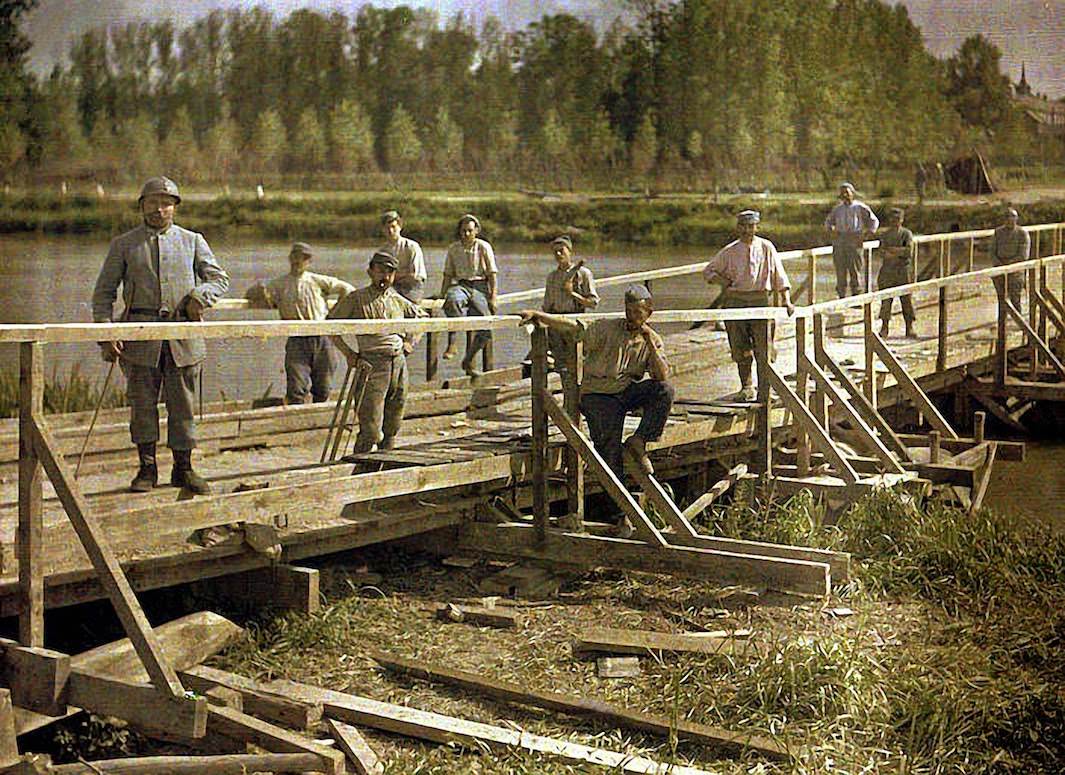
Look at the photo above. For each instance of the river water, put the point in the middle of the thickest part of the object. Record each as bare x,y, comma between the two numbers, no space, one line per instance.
47,279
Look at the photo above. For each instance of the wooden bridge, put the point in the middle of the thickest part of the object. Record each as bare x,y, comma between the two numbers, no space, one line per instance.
500,464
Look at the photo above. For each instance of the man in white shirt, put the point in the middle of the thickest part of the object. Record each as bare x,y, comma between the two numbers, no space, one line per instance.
850,223
749,269
411,274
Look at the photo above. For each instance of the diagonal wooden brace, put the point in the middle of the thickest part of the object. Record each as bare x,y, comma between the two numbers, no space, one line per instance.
109,572
667,509
910,387
1035,339
622,497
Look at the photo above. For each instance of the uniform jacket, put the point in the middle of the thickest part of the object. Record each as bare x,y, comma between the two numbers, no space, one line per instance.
186,268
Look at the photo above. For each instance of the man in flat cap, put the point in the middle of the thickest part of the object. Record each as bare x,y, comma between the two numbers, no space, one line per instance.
1010,245
896,268
750,270
850,223
301,295
569,288
167,273
469,286
383,401
618,352
411,274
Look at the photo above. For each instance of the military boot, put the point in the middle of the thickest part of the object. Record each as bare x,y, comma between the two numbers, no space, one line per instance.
182,474
148,473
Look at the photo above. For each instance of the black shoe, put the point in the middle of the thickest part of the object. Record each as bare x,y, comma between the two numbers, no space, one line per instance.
146,479
183,476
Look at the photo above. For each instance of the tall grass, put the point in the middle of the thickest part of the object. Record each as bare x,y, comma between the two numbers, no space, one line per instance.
76,393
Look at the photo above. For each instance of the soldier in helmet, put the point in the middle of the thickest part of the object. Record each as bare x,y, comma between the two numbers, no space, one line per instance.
167,273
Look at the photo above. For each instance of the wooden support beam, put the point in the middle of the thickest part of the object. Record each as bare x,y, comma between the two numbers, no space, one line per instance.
664,505
229,764
1039,345
607,478
360,755
591,551
1039,391
761,460
1012,451
140,704
107,568
818,435
611,715
404,720
704,501
538,453
278,586
37,677
572,405
30,479
591,641
991,404
869,383
257,701
9,756
248,729
983,480
911,389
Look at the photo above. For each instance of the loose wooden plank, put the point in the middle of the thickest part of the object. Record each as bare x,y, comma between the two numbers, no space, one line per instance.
704,501
248,729
360,755
257,701
37,677
107,568
617,667
478,615
606,640
138,703
439,728
612,715
230,764
8,743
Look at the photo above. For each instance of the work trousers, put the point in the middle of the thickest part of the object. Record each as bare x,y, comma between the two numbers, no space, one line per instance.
893,272
178,385
465,298
561,348
605,413
381,410
413,288
309,364
747,338
1015,284
849,263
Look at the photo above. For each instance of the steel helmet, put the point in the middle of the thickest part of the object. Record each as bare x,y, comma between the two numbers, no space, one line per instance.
160,185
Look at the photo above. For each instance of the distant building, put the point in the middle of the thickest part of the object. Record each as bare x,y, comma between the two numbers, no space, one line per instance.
1043,116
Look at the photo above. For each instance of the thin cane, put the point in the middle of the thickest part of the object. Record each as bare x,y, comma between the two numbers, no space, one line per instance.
344,416
361,381
336,413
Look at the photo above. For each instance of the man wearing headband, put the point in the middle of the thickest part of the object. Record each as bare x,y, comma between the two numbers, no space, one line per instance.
411,274
896,268
1009,245
749,268
301,295
850,223
568,289
381,410
618,352
469,286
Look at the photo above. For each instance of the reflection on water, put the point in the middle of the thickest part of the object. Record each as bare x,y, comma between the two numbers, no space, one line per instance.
1034,488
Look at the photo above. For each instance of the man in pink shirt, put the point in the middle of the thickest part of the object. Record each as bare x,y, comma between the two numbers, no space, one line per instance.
749,269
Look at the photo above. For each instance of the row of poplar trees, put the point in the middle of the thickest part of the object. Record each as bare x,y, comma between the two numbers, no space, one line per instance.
696,89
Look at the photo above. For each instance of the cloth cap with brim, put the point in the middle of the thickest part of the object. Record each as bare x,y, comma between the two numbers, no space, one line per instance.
301,249
847,185
384,259
748,216
1012,213
388,216
472,218
637,293
897,211
563,239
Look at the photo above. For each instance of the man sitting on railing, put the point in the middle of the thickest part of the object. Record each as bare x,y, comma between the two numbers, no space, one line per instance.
411,275
849,223
750,269
167,274
1009,245
469,286
381,410
896,268
617,354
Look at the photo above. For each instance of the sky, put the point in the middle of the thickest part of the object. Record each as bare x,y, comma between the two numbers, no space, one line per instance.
1028,31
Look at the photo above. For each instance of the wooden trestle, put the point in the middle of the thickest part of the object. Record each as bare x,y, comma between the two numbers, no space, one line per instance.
819,428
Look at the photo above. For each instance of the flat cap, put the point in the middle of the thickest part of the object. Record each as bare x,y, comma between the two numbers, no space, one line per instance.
389,215
748,216
896,211
637,293
384,258
301,249
845,184
1012,212
563,239
470,217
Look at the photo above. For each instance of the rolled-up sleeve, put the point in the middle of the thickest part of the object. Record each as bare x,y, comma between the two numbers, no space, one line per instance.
780,275
214,282
587,289
872,223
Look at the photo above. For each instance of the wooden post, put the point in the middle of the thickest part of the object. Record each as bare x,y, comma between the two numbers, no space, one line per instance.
1033,315
572,404
538,452
811,272
868,269
802,388
933,446
488,358
1001,354
979,422
941,337
820,403
432,363
30,478
870,355
972,253
763,454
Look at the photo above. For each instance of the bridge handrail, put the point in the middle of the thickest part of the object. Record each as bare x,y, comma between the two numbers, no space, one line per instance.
91,332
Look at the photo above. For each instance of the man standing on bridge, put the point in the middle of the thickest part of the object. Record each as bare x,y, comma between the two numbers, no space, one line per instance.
167,274
1010,245
301,295
750,270
896,268
383,401
570,288
849,223
617,354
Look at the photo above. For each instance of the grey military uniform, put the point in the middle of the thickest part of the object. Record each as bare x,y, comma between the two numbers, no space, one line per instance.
159,272
896,269
1010,246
